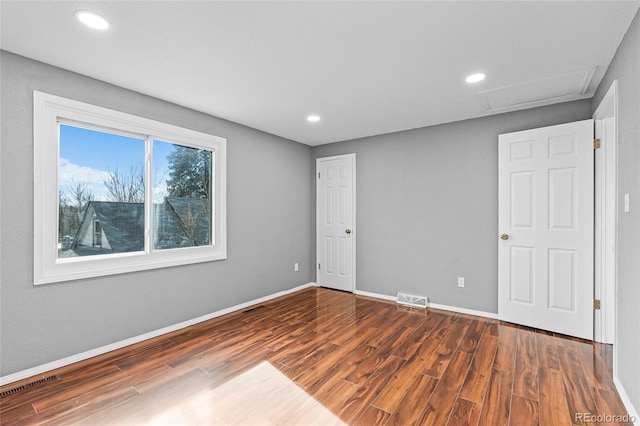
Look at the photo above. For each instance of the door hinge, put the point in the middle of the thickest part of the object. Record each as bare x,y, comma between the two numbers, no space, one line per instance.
318,175
596,143
318,266
596,304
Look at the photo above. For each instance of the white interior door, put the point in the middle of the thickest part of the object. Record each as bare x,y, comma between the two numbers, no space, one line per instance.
335,222
546,205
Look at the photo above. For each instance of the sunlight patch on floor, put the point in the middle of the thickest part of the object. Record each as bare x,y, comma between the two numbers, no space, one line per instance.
259,396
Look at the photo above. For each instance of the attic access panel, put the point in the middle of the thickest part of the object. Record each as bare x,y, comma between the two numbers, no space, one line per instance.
569,86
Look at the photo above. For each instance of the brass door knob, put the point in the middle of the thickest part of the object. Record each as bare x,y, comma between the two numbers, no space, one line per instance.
348,231
504,236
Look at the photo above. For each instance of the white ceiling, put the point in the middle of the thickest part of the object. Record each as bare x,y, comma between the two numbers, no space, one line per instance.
366,68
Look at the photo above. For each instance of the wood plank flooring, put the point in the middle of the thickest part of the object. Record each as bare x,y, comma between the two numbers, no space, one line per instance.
322,357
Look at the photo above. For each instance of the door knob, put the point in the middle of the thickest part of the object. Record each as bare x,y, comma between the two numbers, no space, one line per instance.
504,236
348,231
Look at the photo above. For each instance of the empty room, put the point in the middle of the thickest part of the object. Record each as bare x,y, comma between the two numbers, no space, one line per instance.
319,212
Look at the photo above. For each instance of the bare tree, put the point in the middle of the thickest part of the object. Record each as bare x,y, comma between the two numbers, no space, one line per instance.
125,187
79,195
63,207
72,203
190,224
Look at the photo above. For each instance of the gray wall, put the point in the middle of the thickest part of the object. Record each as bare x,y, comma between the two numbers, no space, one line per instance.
625,67
269,228
427,205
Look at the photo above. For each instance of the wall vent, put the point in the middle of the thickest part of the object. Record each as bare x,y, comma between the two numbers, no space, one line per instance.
27,386
412,300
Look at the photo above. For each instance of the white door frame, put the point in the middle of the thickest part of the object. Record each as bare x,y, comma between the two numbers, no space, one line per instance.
354,228
605,250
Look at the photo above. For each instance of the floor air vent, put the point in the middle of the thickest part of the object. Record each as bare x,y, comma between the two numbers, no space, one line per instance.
27,386
412,300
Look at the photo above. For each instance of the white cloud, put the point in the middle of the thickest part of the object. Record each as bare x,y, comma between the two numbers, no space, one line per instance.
70,174
159,193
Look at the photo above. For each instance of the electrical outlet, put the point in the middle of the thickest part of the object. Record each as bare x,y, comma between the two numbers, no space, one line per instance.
460,281
296,267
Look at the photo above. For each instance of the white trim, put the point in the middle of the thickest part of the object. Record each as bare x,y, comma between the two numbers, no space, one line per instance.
605,250
354,228
375,295
464,311
433,305
336,157
48,111
142,337
631,410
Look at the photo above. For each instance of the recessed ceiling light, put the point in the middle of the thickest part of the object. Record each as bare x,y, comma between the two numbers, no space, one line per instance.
474,78
313,118
92,20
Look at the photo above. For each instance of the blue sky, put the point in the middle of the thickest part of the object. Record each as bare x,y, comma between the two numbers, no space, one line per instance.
88,155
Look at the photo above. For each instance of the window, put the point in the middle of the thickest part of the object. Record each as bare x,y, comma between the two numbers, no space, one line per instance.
97,234
118,193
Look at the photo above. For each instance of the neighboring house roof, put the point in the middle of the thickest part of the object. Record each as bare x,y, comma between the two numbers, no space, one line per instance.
180,222
123,223
193,217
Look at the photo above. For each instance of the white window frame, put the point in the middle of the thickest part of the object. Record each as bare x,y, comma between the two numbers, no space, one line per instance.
48,111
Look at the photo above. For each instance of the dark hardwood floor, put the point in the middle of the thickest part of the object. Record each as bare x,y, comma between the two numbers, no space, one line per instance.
321,357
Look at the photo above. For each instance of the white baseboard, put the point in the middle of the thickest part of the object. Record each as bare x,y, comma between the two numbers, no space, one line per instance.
375,295
631,410
433,305
483,314
121,344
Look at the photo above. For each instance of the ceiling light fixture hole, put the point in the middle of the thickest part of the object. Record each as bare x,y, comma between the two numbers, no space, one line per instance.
92,20
474,78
